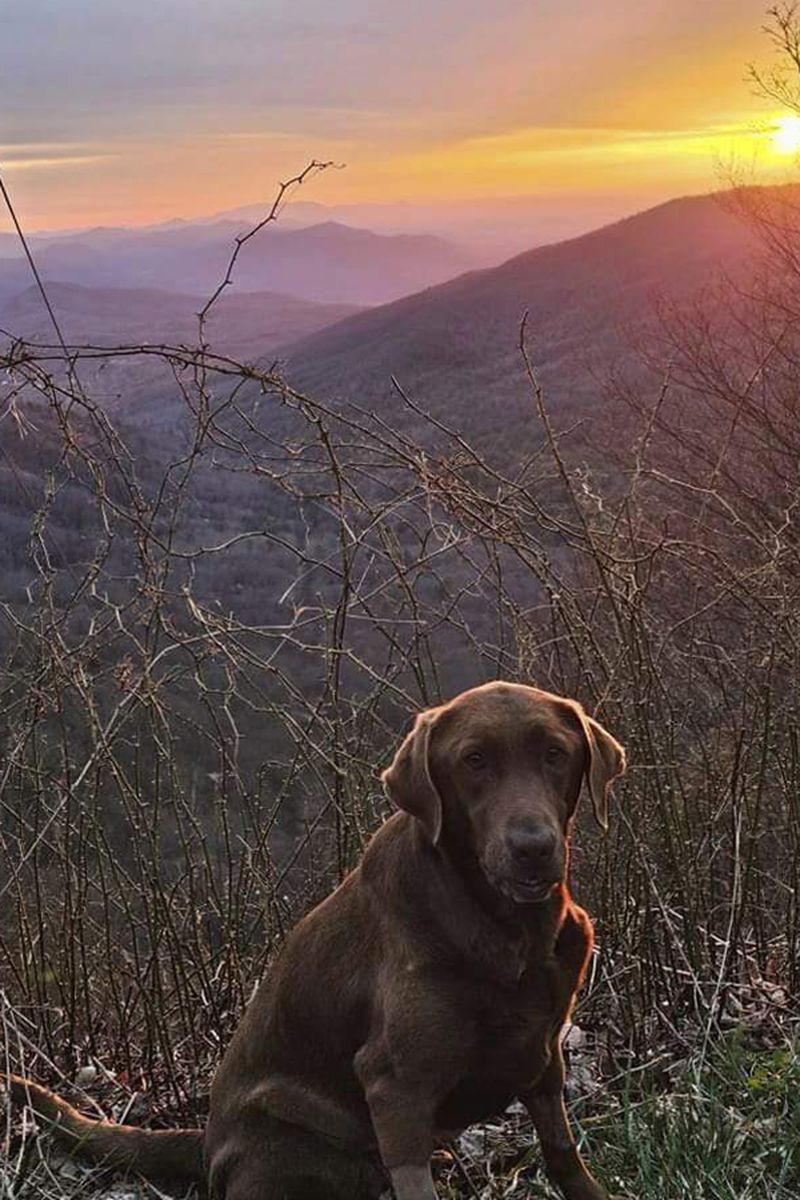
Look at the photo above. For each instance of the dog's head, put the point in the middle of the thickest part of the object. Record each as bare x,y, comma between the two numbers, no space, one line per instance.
501,768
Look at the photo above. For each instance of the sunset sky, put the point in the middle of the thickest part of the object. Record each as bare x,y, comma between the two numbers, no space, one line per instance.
115,112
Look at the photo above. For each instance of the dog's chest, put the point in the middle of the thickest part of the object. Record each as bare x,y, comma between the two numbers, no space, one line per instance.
516,1027
513,1042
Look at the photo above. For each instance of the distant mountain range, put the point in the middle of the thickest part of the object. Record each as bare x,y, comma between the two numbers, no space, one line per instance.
327,263
455,347
494,228
454,344
491,228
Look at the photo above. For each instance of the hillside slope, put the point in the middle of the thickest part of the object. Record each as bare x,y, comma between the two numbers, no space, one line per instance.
245,323
455,347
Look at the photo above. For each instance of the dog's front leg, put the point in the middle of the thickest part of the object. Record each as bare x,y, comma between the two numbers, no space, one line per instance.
565,1167
413,1183
401,1091
402,1118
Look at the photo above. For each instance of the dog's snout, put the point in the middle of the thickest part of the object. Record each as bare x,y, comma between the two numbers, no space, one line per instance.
532,846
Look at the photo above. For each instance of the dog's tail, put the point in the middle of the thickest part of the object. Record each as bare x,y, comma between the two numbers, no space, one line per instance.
168,1155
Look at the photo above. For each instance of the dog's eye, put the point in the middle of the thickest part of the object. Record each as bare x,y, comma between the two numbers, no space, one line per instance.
554,754
475,759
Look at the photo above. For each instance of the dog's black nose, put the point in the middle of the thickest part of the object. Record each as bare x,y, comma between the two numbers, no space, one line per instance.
532,846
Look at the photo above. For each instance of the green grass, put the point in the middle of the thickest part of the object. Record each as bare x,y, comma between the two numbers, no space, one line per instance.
727,1128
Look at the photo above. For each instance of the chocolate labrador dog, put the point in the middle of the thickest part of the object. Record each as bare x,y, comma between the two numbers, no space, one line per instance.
426,993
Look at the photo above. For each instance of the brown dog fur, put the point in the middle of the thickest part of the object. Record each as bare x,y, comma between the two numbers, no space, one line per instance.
426,993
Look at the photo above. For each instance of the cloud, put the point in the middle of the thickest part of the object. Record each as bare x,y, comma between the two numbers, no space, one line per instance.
35,156
30,163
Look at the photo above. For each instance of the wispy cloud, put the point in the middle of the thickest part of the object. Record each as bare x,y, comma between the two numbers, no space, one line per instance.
590,141
24,156
52,162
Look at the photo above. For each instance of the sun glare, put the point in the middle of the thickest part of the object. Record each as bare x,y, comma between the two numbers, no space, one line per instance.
786,135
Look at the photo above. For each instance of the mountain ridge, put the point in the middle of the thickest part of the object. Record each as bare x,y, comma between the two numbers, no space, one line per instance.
456,345
328,262
250,324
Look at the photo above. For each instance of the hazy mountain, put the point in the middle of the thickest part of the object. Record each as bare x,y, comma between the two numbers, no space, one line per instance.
247,324
15,276
325,263
455,347
488,230
9,245
493,228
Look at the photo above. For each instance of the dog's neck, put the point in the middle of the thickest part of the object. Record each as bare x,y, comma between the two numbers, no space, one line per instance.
492,933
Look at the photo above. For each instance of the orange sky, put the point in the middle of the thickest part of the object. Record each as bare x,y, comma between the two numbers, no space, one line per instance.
110,118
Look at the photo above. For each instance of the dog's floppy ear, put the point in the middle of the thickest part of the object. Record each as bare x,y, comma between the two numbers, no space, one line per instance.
604,764
408,780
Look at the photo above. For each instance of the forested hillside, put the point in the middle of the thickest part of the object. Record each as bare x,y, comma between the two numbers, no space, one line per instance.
453,349
456,347
250,324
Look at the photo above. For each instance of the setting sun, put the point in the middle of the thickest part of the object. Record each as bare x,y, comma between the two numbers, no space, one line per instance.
786,135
